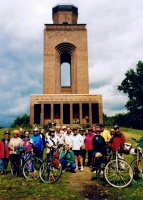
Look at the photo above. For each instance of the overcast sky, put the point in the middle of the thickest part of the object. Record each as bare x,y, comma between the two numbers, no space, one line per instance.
115,44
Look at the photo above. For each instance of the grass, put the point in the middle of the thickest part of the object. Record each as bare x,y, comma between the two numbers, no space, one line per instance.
19,188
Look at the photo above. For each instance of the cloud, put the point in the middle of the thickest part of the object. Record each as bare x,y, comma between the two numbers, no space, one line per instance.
114,45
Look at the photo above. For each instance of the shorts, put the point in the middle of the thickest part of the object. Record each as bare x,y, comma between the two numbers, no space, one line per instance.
77,152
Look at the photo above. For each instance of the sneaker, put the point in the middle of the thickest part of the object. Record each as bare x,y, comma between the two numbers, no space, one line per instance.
93,169
73,171
51,178
81,169
76,168
94,172
63,171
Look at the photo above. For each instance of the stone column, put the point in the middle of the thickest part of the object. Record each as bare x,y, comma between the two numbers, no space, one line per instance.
42,114
52,112
80,113
71,114
61,113
90,113
32,114
100,112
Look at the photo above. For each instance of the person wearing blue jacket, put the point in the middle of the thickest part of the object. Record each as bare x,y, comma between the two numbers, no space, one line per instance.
38,143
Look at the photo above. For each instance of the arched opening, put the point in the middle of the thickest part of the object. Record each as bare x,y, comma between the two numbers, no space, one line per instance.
65,59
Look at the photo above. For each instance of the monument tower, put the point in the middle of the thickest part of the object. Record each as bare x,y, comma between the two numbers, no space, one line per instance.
65,98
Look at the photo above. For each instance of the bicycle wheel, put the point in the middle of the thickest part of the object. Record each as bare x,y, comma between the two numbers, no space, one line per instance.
31,168
118,176
51,171
137,169
13,170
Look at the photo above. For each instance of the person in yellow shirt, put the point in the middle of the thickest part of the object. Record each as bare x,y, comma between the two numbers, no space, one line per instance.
105,133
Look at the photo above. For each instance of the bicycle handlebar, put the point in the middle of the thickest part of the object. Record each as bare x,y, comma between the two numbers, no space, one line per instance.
137,141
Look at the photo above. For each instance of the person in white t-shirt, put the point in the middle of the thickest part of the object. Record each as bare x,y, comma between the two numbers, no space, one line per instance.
77,145
68,137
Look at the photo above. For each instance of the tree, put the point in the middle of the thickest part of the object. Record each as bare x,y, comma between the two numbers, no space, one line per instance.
108,121
123,120
23,121
133,86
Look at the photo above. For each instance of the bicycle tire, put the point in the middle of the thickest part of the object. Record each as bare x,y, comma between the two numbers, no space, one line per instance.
51,171
31,168
13,170
121,178
137,169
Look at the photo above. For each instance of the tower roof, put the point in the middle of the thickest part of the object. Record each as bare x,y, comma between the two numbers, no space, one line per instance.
65,8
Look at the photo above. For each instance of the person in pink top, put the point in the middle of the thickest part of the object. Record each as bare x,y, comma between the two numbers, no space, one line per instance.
25,141
88,146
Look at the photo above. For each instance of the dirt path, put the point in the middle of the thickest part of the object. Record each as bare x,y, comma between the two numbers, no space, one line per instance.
83,183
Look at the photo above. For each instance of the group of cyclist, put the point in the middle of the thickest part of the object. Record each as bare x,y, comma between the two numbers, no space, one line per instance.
70,144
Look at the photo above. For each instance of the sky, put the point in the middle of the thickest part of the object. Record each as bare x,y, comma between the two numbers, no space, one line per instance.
115,45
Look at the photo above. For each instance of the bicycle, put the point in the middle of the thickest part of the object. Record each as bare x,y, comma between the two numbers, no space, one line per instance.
136,164
28,164
117,172
51,168
101,162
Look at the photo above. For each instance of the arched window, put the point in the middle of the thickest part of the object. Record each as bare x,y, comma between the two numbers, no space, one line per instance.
65,75
65,69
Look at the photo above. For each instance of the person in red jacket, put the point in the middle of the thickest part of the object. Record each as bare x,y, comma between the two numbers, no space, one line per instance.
4,152
117,141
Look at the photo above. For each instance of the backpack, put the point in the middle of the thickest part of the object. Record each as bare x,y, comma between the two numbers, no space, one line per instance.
141,142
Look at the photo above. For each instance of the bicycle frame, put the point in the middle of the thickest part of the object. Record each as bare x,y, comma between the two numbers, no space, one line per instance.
118,160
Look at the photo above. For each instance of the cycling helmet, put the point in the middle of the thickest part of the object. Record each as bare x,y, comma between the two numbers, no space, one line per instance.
36,130
98,154
116,127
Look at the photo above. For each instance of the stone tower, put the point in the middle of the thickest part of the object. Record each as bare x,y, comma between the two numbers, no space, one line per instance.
66,98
